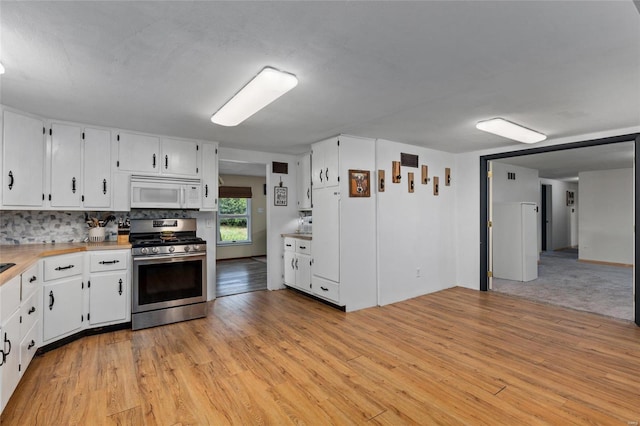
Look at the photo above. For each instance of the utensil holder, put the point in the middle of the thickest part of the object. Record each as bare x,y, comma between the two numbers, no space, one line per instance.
96,235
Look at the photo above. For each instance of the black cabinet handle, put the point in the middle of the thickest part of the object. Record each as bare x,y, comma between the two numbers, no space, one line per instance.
6,353
120,288
324,288
73,185
292,260
326,174
206,191
154,161
32,279
166,161
62,268
108,262
303,247
31,344
288,245
11,181
296,264
308,193
104,186
32,310
52,300
320,175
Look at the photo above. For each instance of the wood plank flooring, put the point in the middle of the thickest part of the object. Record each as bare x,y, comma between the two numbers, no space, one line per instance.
453,357
235,276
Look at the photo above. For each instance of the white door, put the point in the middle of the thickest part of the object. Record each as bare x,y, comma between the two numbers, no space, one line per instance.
62,307
138,153
108,297
326,234
303,271
209,177
290,268
529,242
23,160
331,162
66,164
97,168
179,157
317,166
10,345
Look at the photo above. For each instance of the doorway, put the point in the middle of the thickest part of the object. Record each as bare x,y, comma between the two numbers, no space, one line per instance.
606,145
546,212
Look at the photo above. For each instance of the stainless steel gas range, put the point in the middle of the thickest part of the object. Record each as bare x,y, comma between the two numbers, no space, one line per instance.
169,272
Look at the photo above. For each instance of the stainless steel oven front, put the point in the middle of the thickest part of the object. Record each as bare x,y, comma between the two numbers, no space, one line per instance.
168,288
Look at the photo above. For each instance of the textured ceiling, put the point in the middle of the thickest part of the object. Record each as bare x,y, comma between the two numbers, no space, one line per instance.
415,72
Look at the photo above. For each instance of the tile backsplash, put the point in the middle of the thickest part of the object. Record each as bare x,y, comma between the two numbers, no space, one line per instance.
31,226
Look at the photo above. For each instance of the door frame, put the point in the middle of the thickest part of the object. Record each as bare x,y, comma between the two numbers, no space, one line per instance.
484,202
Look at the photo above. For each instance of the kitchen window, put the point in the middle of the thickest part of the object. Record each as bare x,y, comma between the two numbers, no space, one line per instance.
234,216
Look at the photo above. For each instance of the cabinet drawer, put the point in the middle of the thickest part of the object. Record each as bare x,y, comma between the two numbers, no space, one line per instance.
289,244
62,266
303,246
327,290
29,313
29,346
9,298
109,261
31,279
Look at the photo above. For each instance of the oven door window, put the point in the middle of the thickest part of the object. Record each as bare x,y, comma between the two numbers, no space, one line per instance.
171,281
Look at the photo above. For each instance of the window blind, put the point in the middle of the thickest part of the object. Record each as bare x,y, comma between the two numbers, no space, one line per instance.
234,192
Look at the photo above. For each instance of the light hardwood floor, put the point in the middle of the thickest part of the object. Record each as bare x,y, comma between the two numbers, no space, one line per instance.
453,357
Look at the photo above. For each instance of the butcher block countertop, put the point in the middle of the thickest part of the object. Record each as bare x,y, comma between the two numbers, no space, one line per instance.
299,236
25,255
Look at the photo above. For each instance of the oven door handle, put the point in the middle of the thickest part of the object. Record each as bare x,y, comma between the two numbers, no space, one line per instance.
173,256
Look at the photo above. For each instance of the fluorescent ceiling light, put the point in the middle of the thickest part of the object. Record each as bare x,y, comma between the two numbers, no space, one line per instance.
265,88
509,130
1,68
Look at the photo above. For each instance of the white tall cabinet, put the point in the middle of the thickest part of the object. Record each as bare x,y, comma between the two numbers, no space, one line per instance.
23,160
515,242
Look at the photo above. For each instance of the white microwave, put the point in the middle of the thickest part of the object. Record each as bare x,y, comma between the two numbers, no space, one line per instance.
150,192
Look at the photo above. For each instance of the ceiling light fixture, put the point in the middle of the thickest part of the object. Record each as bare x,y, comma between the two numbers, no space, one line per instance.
509,130
265,88
1,68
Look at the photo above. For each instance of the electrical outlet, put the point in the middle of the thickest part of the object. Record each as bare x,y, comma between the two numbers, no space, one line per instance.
417,272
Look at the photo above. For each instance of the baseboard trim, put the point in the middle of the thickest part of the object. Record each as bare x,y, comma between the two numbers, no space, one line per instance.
599,262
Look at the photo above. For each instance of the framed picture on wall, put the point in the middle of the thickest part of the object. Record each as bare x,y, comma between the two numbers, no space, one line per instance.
570,198
280,196
359,183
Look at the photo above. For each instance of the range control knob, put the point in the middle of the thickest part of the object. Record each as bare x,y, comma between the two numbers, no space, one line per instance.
187,249
144,250
196,247
155,250
172,249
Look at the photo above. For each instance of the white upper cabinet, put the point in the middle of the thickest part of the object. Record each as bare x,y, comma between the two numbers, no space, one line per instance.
66,164
209,176
180,157
138,153
325,161
97,168
23,161
304,182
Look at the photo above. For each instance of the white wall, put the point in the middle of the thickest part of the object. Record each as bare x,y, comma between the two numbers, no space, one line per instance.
563,217
280,219
467,203
606,216
415,230
525,188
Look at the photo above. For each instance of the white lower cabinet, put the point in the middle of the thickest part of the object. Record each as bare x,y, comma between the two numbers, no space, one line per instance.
297,263
62,308
109,289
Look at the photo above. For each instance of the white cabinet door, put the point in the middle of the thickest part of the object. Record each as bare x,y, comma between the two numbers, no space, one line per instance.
317,166
138,153
303,272
66,163
289,268
108,297
23,155
325,163
209,177
326,233
304,182
62,307
179,157
97,168
10,346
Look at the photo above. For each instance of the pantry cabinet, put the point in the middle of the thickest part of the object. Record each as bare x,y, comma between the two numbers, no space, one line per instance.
66,166
209,177
23,161
97,181
62,296
297,263
304,182
109,287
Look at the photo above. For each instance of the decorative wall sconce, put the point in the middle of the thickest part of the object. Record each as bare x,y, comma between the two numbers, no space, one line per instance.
395,172
425,174
411,183
447,176
436,185
380,180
